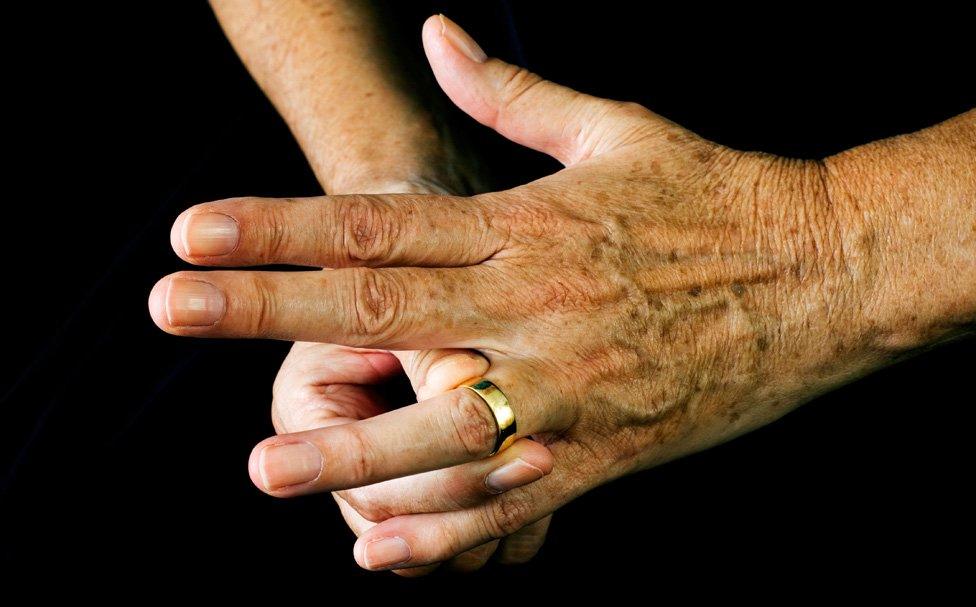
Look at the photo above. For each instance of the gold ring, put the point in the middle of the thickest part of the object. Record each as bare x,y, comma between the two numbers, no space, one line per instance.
498,403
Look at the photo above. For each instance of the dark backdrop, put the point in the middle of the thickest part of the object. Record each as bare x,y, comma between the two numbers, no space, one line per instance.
124,450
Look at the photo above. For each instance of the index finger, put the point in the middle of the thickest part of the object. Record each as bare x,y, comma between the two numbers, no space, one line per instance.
338,231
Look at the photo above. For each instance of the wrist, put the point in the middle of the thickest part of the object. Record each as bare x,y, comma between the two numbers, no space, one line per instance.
409,161
907,207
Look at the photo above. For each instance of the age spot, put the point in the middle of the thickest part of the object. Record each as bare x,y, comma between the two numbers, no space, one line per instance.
762,343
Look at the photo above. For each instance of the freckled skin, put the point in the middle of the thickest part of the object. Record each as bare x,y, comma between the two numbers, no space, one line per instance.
350,99
660,295
353,107
704,315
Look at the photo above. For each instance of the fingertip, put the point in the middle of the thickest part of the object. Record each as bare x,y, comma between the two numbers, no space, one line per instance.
537,455
254,466
157,303
287,465
450,51
186,304
358,552
176,235
433,40
432,27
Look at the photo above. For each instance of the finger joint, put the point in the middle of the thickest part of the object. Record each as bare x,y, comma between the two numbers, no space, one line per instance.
368,229
377,304
508,513
265,308
361,455
473,423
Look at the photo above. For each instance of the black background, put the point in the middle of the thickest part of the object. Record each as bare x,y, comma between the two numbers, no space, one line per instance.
125,449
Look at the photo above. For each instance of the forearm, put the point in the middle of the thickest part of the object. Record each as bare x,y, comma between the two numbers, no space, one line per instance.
911,237
328,68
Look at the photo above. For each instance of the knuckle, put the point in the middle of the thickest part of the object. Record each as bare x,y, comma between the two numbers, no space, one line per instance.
473,424
377,302
530,218
450,541
517,83
632,109
361,454
507,514
303,408
280,388
367,229
520,550
472,560
262,307
276,421
273,232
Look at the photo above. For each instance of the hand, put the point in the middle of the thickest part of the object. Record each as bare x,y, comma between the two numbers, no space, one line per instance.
322,385
660,295
362,131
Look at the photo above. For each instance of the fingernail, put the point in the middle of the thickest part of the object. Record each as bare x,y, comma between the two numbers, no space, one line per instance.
193,303
386,552
511,475
290,464
210,234
460,40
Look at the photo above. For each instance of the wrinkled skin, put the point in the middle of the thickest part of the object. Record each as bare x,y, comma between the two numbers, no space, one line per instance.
326,66
660,295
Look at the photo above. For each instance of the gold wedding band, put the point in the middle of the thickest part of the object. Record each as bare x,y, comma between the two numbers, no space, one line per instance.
498,403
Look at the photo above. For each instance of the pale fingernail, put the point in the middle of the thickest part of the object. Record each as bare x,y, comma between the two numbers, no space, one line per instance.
511,475
460,40
210,234
386,552
193,303
290,464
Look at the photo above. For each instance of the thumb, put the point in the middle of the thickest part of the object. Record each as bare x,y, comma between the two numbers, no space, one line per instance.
565,124
433,372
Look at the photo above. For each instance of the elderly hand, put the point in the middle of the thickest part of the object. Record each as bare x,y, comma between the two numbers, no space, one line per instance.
328,69
658,296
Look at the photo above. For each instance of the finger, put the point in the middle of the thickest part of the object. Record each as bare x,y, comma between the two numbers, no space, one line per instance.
359,525
419,539
337,231
456,488
556,120
319,382
391,308
356,522
447,430
524,544
432,372
469,561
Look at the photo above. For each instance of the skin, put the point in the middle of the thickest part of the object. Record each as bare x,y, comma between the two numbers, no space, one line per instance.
354,106
658,296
